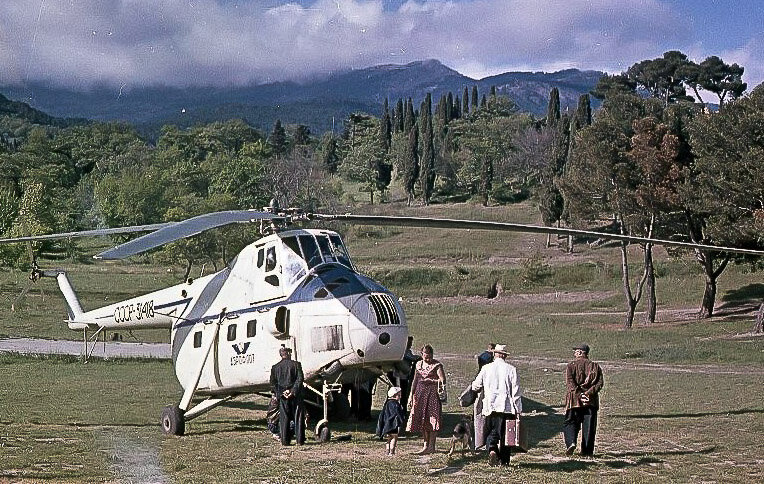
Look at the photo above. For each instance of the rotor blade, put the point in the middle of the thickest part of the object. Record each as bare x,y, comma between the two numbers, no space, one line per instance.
181,230
90,233
514,227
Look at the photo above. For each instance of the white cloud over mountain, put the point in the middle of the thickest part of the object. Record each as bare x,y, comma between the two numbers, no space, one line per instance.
79,43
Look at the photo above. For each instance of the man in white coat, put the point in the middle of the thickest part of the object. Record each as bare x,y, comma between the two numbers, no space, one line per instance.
501,402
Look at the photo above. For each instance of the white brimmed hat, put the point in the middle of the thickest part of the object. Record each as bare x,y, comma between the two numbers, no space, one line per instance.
500,349
393,391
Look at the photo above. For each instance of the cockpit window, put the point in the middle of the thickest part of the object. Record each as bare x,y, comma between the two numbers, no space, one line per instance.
326,248
291,242
270,259
310,251
339,251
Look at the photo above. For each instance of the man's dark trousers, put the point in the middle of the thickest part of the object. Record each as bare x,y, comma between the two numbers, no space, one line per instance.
291,420
584,419
494,429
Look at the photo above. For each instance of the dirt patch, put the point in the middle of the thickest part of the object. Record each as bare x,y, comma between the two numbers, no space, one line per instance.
565,297
131,459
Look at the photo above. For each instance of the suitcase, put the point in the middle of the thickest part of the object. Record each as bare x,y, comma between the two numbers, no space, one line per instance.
516,434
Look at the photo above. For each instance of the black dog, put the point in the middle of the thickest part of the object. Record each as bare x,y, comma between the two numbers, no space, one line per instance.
463,433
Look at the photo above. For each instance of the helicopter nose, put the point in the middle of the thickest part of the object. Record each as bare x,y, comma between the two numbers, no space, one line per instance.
377,331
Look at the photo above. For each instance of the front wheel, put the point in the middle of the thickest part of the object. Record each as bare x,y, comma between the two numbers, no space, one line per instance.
172,420
323,434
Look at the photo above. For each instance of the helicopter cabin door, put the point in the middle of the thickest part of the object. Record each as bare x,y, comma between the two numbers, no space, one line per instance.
269,280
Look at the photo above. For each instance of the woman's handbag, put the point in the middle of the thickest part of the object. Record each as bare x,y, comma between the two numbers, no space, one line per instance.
442,394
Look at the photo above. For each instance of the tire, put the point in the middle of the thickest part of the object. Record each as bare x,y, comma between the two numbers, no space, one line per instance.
172,420
323,434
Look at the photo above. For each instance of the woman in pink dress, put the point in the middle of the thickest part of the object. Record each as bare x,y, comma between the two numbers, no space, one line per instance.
424,402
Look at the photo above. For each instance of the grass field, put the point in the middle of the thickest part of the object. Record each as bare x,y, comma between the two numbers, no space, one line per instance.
682,399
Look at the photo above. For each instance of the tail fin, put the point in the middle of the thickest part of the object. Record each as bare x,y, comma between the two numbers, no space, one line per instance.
72,302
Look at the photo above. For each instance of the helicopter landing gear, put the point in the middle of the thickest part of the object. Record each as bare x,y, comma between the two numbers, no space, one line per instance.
173,422
322,431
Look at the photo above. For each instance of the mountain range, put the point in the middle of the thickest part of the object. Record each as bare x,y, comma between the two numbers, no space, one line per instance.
321,104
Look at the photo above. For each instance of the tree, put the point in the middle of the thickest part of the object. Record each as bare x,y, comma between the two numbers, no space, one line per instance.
610,85
474,101
480,142
328,151
553,108
465,102
663,78
410,170
715,76
725,196
427,172
278,140
385,129
399,116
601,179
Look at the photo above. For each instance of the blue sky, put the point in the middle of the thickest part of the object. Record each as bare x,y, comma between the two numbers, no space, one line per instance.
127,43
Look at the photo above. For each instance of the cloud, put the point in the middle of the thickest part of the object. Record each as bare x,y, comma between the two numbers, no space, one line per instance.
206,42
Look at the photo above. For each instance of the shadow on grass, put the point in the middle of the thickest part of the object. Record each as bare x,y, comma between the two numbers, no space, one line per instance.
701,414
645,455
751,293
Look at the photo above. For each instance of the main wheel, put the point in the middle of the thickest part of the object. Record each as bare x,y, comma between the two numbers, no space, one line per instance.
172,420
323,434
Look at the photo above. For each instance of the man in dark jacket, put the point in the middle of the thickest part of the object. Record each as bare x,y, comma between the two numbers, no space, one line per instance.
286,384
584,381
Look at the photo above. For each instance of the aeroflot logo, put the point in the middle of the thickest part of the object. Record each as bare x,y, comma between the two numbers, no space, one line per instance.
241,348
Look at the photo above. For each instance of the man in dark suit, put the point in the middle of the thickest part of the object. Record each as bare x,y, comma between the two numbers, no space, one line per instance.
584,381
286,385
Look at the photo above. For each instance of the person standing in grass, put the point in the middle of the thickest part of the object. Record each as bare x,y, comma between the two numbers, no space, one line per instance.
286,383
425,404
584,381
391,420
502,402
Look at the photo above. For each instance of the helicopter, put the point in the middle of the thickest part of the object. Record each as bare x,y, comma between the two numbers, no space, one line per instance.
294,287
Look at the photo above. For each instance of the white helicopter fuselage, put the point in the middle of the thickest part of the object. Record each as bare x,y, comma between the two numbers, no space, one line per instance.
296,289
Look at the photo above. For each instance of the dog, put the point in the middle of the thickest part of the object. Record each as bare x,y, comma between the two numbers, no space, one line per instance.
464,433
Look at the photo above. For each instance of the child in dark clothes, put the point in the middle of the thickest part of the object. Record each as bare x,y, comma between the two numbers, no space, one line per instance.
392,419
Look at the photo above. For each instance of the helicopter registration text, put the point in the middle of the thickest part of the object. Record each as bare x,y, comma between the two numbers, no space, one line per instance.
134,311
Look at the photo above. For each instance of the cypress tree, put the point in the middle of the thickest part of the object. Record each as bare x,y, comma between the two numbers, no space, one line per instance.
385,129
474,100
465,102
411,168
427,172
409,117
450,106
277,140
399,115
583,115
457,108
553,108
483,102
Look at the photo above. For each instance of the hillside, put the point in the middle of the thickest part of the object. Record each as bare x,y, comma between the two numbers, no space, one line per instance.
321,103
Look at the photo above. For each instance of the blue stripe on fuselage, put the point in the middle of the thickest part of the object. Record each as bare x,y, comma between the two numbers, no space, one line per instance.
342,281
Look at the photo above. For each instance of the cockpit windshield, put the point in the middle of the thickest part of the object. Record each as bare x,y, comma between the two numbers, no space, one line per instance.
318,249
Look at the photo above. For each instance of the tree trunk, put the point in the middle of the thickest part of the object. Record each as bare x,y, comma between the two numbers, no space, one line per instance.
570,244
651,302
630,303
548,240
188,270
759,326
709,297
